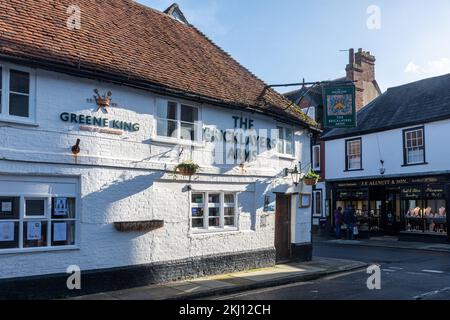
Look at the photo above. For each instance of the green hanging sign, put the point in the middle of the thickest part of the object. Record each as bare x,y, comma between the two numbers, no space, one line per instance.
339,106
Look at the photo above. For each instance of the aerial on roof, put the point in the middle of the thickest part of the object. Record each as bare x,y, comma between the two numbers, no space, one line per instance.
407,105
134,44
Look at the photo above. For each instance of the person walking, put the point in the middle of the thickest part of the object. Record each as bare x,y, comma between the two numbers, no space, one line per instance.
338,221
350,221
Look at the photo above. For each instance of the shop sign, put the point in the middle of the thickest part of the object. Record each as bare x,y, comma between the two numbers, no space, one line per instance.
340,107
411,193
99,124
434,192
388,182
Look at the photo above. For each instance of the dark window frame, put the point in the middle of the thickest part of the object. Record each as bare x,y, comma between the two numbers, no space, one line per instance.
405,155
347,169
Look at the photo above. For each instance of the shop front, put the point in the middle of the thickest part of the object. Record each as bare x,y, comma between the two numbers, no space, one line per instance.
410,208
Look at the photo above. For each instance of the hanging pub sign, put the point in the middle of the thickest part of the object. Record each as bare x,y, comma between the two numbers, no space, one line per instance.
339,106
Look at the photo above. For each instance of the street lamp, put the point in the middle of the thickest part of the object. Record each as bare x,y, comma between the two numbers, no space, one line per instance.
296,176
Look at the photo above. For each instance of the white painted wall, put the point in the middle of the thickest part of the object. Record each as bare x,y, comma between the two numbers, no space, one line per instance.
126,178
388,146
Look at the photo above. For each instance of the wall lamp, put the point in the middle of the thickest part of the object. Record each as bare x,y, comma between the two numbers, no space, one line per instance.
76,148
296,174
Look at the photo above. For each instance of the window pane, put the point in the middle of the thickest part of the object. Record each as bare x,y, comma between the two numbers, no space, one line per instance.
197,198
289,146
316,157
229,221
9,208
35,207
19,82
214,222
214,198
63,208
187,131
280,140
197,223
18,105
189,114
229,198
34,234
63,233
166,128
197,212
9,235
166,110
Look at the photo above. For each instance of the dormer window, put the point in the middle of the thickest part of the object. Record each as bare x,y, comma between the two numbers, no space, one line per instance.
175,12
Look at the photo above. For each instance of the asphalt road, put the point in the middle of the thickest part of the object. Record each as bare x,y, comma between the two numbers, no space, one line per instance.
405,275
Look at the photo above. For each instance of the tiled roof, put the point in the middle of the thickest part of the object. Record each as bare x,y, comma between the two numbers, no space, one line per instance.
122,37
407,105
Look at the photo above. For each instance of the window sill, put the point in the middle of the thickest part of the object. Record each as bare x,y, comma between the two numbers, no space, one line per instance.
415,164
36,250
354,170
10,120
285,156
177,142
213,231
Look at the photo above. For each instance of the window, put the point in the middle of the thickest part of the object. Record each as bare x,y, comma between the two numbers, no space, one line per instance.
353,154
16,91
175,120
213,210
318,203
316,158
36,222
414,146
285,141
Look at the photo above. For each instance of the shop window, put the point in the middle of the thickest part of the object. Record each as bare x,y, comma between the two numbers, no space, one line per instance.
16,90
178,121
353,154
37,223
414,146
285,141
213,210
316,158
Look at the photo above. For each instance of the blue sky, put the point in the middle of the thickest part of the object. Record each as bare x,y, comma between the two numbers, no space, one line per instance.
284,41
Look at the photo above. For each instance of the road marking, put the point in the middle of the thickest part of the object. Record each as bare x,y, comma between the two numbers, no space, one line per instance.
433,271
431,293
389,270
396,268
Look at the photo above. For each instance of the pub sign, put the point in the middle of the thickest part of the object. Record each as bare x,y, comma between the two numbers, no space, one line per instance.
339,106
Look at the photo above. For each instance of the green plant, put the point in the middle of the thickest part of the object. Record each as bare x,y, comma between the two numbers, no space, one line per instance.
312,175
186,167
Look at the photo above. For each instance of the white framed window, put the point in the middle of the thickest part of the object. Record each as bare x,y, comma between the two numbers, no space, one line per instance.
285,140
177,120
31,222
213,210
353,154
316,158
17,92
414,146
318,210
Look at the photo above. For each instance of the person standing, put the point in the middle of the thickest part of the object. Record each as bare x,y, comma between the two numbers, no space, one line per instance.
338,221
350,221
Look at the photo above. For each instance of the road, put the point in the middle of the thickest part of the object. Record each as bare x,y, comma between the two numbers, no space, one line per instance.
405,275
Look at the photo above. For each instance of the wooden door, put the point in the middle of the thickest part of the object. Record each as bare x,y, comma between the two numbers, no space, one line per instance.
283,228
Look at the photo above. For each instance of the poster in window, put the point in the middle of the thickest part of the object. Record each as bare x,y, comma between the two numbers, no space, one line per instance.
61,206
7,207
34,230
60,231
6,231
340,108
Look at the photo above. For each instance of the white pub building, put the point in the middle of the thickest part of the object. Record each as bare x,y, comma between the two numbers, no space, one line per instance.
118,152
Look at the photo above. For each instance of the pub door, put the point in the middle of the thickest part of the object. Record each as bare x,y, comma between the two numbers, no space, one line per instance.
283,228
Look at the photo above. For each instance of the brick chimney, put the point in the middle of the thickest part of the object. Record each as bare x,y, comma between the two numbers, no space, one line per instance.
361,68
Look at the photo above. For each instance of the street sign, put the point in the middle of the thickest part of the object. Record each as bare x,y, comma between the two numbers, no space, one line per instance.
339,106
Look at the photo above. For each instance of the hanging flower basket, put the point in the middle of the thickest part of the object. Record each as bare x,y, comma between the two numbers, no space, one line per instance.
311,178
187,168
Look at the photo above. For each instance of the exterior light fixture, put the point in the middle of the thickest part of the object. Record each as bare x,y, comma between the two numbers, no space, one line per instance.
296,176
382,169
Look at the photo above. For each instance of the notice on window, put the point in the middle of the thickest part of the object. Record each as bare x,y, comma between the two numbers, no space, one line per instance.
34,230
6,231
60,231
61,206
7,207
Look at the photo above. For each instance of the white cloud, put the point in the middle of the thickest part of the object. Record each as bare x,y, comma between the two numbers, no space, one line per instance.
431,68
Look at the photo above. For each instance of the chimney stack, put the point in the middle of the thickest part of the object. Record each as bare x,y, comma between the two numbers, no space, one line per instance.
361,69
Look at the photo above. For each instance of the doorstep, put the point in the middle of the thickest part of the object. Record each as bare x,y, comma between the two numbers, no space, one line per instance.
233,282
